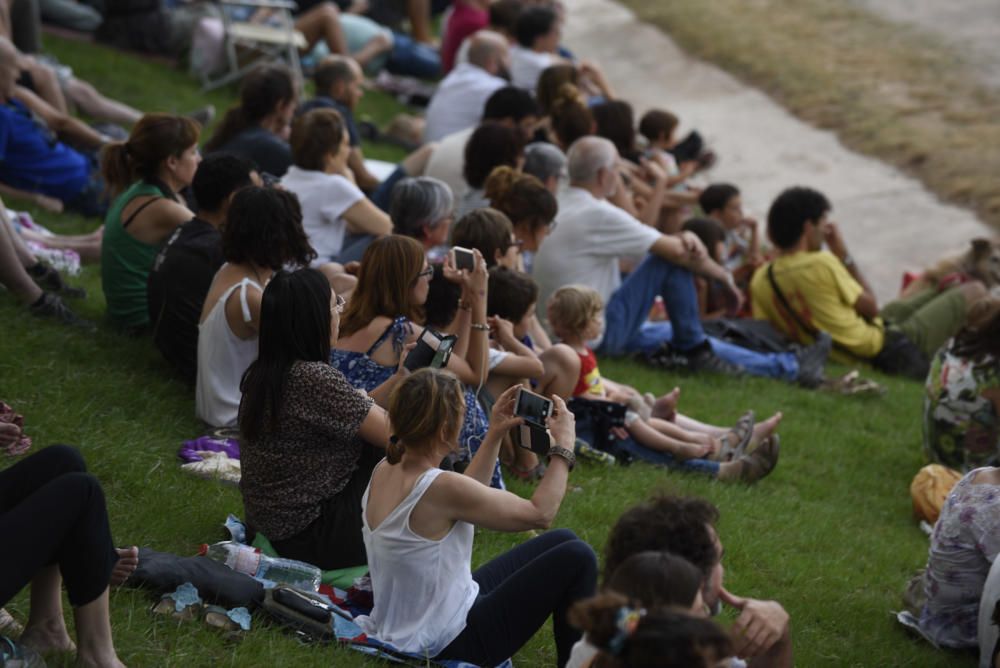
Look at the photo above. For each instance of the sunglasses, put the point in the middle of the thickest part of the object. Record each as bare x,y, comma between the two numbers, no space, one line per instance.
339,306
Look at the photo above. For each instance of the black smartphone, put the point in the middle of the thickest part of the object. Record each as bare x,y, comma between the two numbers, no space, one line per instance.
534,408
532,437
463,258
432,350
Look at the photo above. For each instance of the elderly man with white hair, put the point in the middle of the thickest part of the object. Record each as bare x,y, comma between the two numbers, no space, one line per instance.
460,97
593,233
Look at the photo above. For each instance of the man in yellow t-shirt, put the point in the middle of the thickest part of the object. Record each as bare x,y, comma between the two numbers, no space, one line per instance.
828,293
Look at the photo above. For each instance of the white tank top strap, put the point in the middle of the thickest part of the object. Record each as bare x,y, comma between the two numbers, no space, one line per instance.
247,316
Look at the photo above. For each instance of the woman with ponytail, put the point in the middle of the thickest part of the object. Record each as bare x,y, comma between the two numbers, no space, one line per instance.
144,175
569,116
309,440
258,127
630,636
419,522
529,205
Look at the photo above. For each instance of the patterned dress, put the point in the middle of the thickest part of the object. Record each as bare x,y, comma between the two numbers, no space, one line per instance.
961,408
965,542
365,373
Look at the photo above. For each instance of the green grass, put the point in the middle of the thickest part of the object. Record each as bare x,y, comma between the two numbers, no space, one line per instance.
829,534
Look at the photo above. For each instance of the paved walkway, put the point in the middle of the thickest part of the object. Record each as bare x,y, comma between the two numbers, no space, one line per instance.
890,221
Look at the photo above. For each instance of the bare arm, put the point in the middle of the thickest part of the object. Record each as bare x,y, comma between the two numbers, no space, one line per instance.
365,179
375,429
60,123
866,305
521,361
655,200
471,500
366,218
38,199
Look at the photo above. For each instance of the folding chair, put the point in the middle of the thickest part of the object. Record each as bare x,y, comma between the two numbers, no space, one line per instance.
249,44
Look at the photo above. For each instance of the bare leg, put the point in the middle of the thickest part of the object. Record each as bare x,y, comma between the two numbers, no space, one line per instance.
88,100
87,246
14,257
46,629
419,13
665,407
46,84
93,632
646,435
374,47
323,22
678,433
562,367
691,424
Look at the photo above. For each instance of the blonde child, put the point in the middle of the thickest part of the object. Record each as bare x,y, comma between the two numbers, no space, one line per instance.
747,451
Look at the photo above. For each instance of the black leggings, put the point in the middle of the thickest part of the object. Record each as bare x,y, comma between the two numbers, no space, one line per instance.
518,591
52,512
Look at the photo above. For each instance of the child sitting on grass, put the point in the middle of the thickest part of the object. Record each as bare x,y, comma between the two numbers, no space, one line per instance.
747,451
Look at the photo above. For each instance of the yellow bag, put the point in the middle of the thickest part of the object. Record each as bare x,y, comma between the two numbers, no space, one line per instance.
930,488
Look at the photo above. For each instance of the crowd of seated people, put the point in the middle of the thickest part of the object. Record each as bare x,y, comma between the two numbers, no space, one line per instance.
288,285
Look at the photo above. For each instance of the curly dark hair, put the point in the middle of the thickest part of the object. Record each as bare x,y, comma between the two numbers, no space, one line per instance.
675,524
264,226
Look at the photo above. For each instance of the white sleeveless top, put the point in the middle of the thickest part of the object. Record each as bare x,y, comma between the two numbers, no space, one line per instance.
423,588
223,357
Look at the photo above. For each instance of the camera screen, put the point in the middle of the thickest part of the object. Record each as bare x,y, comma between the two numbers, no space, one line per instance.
533,407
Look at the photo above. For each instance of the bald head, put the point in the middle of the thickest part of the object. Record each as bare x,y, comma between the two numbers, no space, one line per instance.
488,50
587,157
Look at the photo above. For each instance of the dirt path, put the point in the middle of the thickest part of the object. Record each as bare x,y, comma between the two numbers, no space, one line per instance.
892,223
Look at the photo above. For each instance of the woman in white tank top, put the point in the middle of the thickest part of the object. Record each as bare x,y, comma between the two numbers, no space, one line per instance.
418,527
263,233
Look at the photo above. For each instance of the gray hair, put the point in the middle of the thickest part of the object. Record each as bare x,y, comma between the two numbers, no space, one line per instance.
543,161
588,156
419,201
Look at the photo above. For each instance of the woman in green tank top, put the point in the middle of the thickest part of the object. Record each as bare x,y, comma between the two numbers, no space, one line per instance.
144,175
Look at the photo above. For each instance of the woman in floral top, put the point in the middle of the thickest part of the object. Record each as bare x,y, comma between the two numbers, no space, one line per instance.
966,540
962,401
309,439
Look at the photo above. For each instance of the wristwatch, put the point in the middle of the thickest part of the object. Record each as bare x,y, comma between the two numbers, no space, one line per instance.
563,453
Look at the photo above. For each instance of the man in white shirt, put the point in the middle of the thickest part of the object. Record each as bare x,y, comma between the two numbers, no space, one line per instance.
509,106
458,103
538,32
592,234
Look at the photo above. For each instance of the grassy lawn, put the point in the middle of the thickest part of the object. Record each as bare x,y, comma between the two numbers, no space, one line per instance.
887,90
829,534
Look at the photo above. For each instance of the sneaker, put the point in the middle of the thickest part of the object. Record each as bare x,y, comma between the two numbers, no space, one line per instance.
51,280
703,358
812,361
203,116
51,306
583,450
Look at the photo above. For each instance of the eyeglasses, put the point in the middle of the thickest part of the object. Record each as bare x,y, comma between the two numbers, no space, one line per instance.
426,273
552,226
339,306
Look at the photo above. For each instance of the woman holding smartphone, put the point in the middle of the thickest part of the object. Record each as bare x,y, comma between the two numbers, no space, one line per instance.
386,312
419,523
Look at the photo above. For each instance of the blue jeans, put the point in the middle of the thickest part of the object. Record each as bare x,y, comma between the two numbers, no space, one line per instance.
661,458
383,193
626,329
413,59
354,247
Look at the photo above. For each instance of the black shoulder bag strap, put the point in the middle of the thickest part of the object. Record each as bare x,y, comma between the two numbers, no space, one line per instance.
812,331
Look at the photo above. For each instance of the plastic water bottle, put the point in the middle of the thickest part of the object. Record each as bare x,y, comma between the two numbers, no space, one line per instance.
249,560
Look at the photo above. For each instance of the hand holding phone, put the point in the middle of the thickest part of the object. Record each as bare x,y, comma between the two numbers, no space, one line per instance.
431,350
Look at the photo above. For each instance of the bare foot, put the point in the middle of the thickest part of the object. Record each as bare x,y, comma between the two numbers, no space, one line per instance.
763,430
48,637
128,561
665,407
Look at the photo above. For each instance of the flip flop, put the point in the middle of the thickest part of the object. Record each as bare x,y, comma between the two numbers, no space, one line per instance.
735,442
